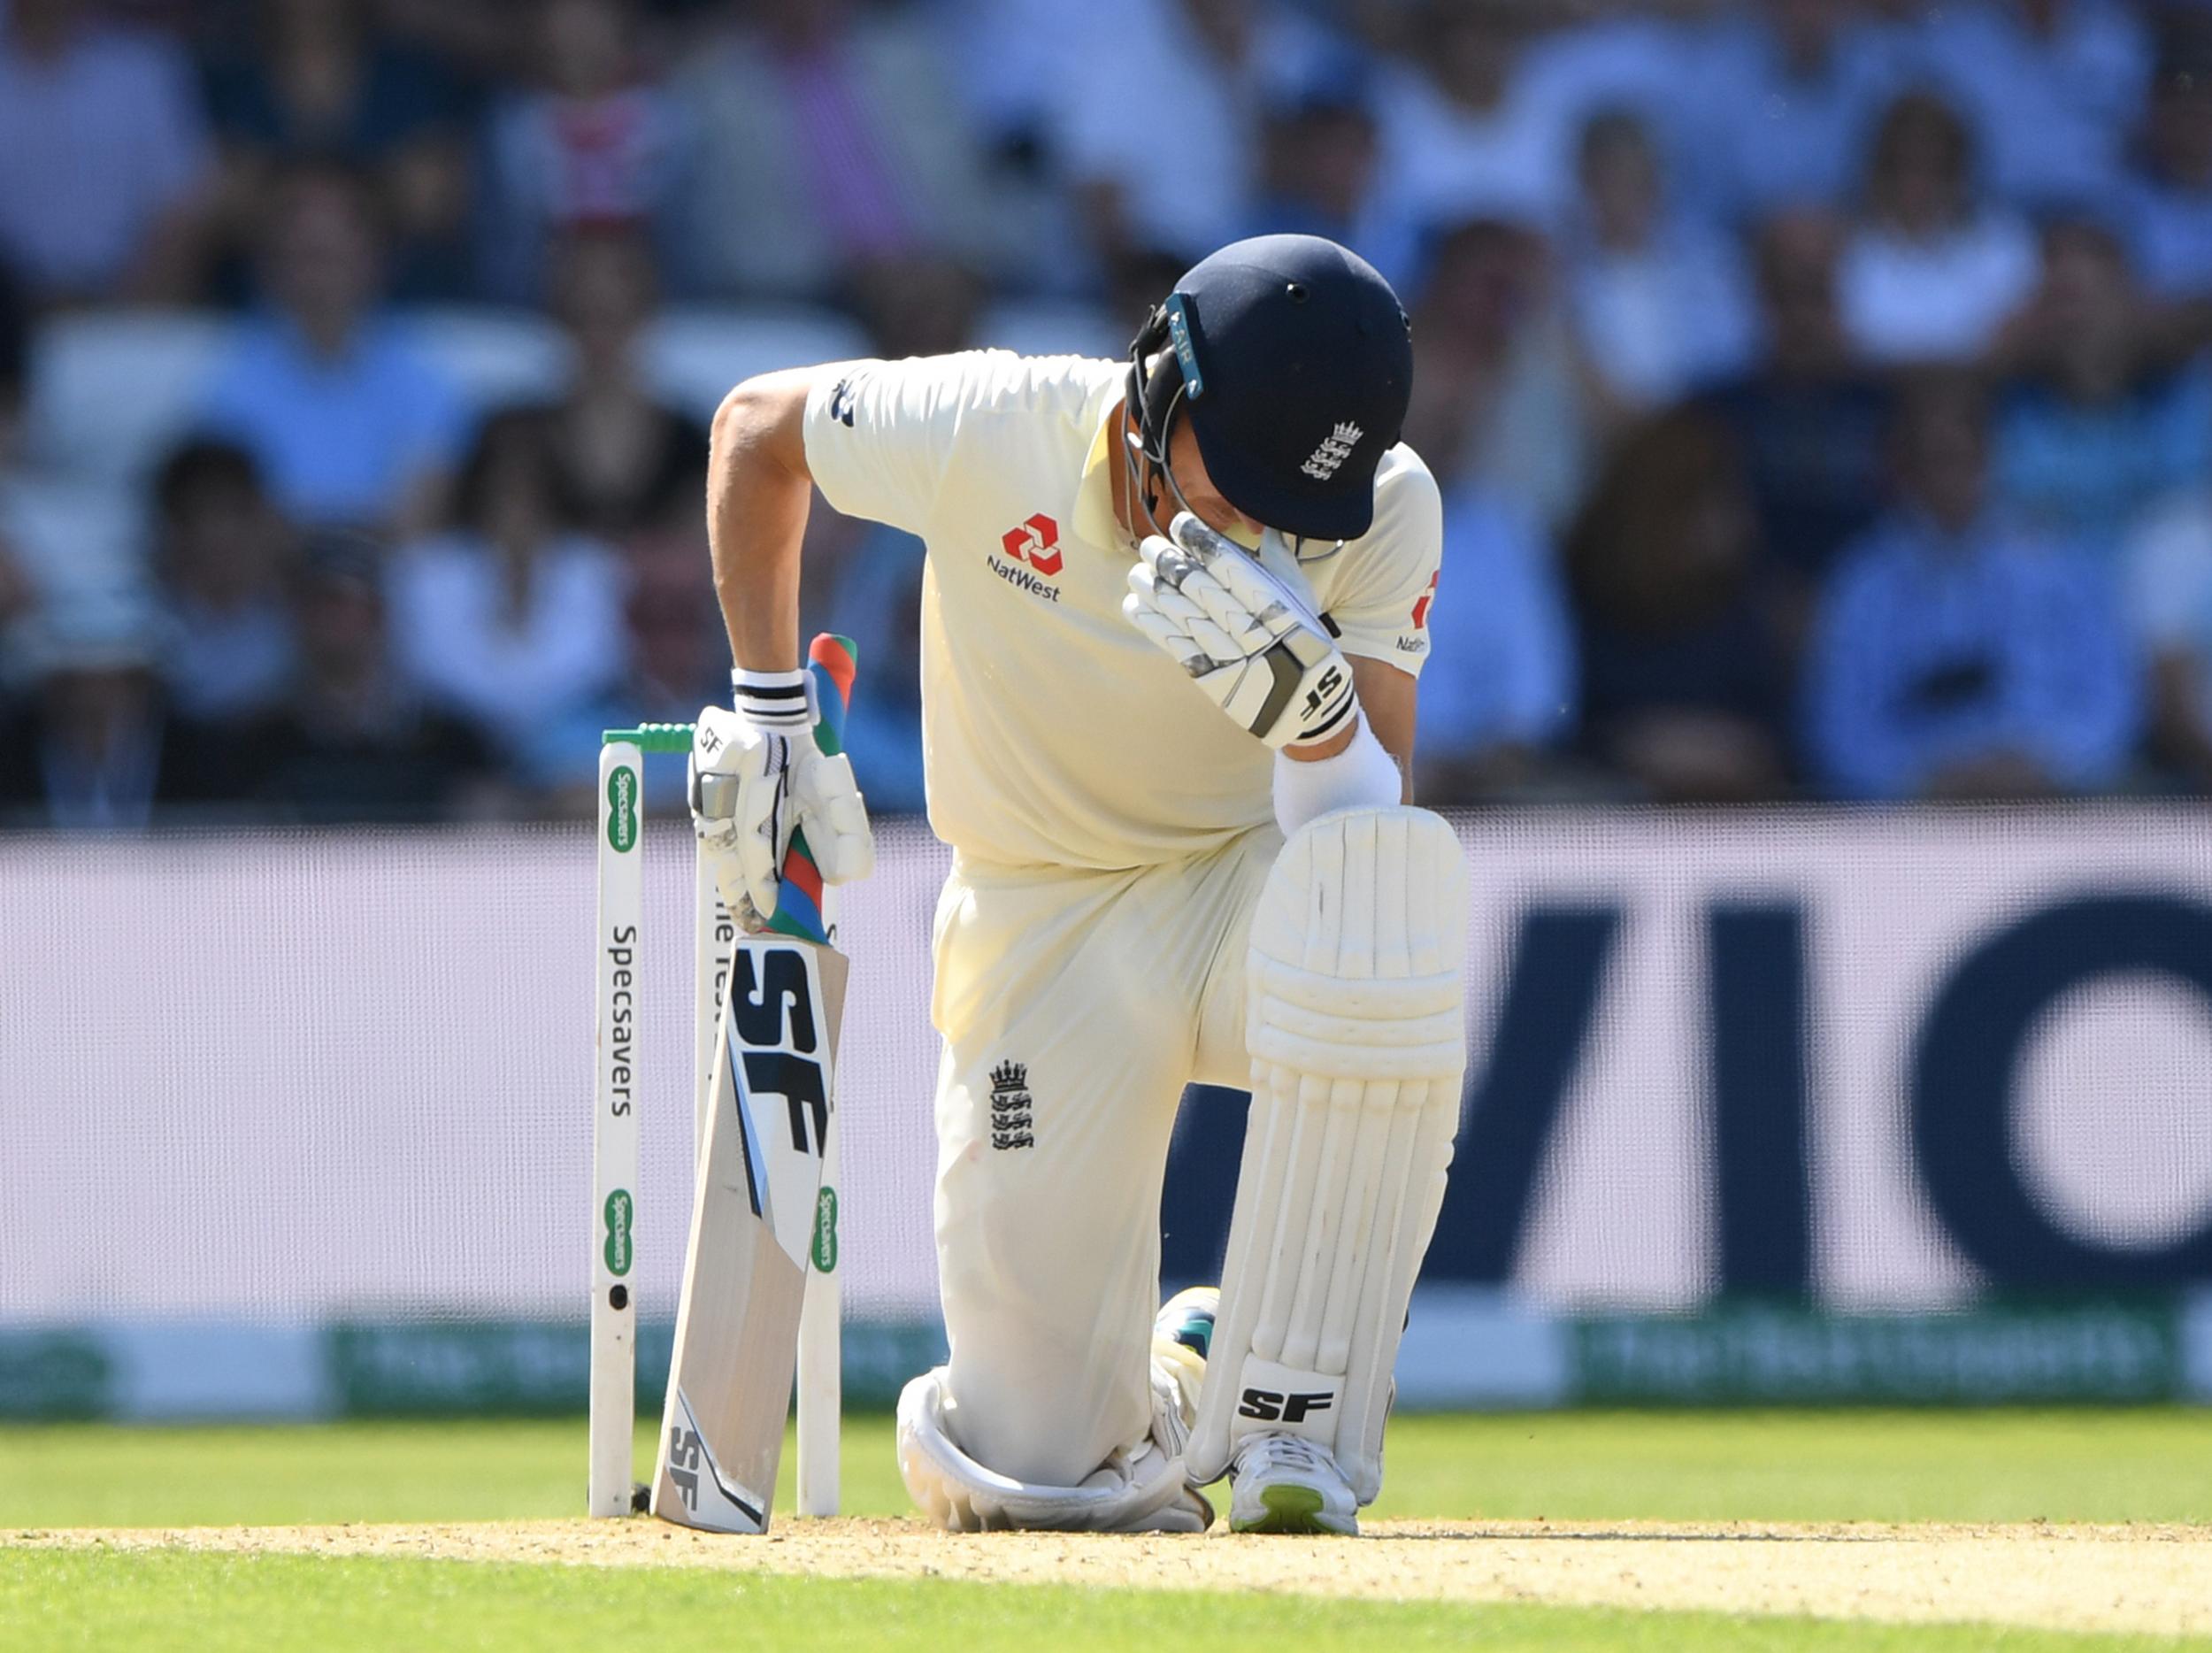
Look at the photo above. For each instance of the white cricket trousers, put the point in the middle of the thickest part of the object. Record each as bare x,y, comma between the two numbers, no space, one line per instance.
1074,1008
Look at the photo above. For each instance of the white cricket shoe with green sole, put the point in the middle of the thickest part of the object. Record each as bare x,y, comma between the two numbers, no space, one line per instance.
1287,1484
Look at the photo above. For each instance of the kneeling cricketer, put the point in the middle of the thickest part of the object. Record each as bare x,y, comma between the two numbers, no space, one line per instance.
1172,618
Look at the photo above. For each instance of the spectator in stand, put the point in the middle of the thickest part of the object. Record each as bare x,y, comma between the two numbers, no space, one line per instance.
1319,175
2169,569
1931,273
826,139
1166,153
355,741
594,145
2171,197
1012,61
1014,55
93,747
1466,133
1658,300
2098,425
622,450
1807,418
320,80
66,542
105,172
1498,695
510,617
222,554
676,660
679,658
1500,394
925,306
350,424
1685,675
1957,655
1783,98
1590,56
2052,87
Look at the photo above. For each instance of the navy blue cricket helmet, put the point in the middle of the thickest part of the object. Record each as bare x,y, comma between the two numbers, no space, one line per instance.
1293,360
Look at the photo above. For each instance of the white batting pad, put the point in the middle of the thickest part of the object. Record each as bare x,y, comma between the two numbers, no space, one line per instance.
1138,1490
1356,1017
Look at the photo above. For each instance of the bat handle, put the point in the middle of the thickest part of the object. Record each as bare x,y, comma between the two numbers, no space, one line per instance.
832,661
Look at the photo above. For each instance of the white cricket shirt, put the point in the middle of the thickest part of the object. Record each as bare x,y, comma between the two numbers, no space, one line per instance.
1054,734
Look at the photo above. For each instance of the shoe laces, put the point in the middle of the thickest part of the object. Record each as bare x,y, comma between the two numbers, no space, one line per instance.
1294,1453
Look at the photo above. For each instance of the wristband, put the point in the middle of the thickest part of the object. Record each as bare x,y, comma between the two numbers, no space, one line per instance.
779,701
1363,775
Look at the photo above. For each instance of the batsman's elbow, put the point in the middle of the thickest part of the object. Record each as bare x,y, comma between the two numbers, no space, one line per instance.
762,421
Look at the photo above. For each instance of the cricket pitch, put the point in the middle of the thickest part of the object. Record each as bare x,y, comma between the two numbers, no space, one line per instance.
2146,1579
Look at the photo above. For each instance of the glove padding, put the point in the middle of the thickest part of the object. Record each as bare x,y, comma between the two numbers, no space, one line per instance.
1243,636
751,784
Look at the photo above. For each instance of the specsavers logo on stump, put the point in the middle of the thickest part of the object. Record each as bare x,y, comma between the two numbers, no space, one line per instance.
1033,556
618,1249
622,809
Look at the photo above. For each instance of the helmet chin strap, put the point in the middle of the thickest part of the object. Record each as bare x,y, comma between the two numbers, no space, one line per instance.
1301,556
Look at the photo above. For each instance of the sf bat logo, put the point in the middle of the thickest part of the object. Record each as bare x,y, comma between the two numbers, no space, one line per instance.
771,1014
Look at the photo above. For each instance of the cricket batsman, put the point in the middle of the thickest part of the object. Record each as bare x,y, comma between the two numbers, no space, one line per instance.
1172,618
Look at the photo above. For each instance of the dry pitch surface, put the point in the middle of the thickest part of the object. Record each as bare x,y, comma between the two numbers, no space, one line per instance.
2147,1578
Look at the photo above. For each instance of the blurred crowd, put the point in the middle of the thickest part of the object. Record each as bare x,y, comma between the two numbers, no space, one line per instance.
1821,389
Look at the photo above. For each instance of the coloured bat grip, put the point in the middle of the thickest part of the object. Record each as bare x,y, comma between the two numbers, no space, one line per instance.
832,661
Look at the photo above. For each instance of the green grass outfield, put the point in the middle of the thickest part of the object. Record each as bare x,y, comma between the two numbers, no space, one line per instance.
1968,1466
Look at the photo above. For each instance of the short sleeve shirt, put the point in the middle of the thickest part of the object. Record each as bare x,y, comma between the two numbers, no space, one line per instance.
1054,734
343,439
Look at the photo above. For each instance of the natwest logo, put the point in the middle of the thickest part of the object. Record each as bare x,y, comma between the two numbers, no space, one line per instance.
1037,542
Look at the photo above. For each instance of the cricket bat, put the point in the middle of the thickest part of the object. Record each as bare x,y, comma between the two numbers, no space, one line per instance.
754,1212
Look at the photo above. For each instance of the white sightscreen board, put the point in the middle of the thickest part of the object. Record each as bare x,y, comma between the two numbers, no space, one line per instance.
284,1076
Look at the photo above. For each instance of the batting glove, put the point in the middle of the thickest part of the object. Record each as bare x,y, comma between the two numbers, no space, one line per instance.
756,775
1244,636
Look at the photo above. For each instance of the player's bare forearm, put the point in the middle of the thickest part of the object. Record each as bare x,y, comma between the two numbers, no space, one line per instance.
1387,699
758,489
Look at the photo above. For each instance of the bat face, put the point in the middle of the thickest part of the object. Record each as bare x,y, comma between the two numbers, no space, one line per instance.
752,1228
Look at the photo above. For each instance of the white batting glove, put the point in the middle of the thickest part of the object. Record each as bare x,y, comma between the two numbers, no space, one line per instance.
756,773
1243,636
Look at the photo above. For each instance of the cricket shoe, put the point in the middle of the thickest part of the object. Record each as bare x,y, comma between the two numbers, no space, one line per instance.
1281,1483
